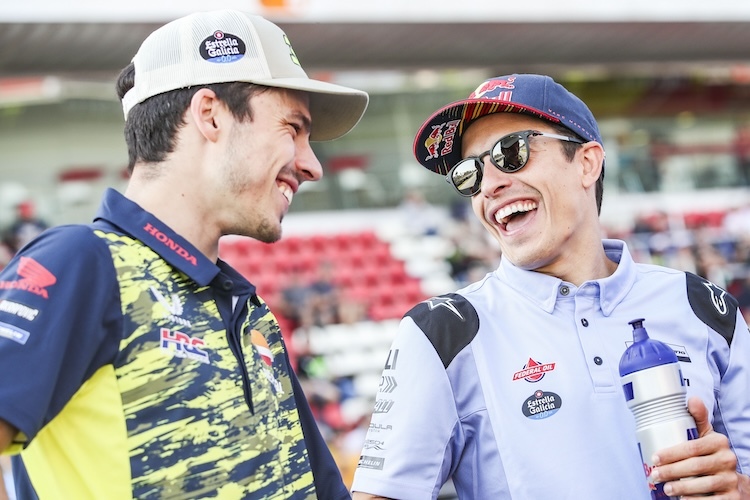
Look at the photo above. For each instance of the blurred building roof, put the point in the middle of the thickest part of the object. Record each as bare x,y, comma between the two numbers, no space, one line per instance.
38,48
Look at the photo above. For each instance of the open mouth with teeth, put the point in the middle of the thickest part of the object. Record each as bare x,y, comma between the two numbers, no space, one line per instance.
286,190
515,212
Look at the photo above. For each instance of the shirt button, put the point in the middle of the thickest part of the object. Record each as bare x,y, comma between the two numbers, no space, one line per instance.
227,285
585,322
564,290
598,360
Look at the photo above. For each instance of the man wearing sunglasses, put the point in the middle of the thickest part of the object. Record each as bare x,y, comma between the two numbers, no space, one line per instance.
510,386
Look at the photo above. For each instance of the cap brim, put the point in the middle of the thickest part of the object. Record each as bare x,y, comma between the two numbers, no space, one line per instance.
435,150
334,109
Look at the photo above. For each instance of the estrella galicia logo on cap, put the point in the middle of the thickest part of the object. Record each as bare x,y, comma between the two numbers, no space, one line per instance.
222,48
541,405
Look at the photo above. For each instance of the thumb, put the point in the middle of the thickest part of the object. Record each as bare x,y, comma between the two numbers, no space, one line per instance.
700,414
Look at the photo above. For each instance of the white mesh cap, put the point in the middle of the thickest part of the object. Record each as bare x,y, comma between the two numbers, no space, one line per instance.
232,46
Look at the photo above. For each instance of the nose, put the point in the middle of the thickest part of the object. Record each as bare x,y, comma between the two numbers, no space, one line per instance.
493,179
307,163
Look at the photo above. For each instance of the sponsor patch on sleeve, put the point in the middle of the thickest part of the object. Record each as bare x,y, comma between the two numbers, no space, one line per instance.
449,321
13,333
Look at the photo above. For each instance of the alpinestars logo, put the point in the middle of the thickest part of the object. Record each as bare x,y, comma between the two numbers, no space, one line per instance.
35,278
717,297
446,302
174,308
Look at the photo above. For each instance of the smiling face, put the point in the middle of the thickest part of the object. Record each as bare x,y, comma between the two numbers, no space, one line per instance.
264,161
544,216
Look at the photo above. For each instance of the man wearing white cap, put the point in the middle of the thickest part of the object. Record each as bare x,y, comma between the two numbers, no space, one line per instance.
145,366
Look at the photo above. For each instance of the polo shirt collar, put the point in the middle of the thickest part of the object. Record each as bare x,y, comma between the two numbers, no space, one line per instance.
544,290
143,226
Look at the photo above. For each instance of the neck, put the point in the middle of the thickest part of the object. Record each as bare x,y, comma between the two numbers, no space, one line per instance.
586,262
174,201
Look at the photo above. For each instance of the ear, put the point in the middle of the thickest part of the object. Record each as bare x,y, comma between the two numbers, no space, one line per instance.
592,157
206,113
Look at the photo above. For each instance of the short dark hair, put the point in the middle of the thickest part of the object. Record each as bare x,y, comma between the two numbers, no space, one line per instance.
152,125
569,150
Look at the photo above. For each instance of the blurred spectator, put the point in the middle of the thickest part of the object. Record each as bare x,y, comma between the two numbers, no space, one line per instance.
742,293
6,253
420,217
737,221
26,227
323,296
742,152
317,302
322,392
474,253
293,301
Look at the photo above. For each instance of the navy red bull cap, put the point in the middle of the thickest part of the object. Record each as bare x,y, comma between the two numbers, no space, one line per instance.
437,145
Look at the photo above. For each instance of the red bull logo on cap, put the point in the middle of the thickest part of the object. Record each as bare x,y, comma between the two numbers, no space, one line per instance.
500,89
443,133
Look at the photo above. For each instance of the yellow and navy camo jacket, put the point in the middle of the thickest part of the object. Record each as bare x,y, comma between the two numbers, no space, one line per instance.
133,367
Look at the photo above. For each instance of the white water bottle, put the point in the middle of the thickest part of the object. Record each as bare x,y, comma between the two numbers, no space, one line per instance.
655,393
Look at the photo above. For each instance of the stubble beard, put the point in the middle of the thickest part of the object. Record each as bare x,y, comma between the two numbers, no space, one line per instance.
267,232
254,224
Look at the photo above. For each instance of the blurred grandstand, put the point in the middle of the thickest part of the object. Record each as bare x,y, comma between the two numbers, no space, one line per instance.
669,83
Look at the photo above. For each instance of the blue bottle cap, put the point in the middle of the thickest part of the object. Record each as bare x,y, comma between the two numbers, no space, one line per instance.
644,352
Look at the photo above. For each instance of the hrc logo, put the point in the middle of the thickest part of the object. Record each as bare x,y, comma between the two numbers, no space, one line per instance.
184,346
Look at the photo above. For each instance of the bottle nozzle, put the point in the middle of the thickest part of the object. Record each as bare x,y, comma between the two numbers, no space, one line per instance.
639,333
637,323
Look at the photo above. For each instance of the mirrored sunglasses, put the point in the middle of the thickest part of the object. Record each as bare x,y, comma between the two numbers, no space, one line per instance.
509,154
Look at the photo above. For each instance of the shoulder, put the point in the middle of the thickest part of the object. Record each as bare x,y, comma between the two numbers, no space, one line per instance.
60,257
713,305
449,321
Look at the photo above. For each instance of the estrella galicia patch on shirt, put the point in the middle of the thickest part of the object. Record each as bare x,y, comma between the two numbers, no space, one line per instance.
713,305
449,321
13,333
541,405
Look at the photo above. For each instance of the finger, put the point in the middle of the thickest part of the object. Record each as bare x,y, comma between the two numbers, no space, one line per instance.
689,454
716,485
700,414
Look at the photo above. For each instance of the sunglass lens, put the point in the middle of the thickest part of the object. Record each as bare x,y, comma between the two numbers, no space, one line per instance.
466,177
511,153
